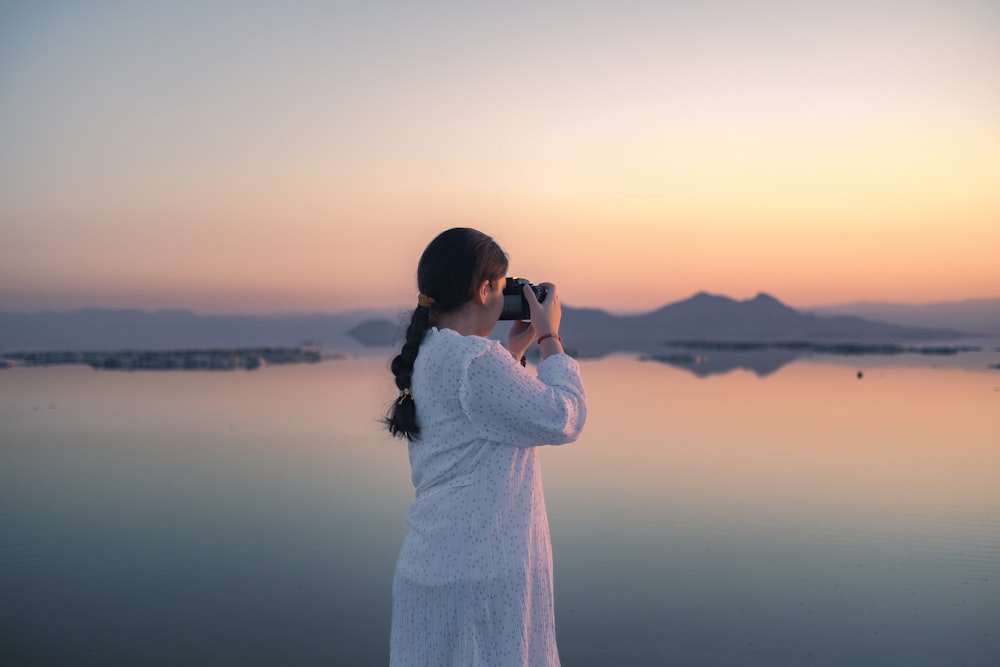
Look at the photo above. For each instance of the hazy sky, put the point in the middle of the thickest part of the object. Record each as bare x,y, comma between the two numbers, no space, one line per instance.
248,156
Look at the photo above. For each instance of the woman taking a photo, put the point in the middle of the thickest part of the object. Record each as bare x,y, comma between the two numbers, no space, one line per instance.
473,583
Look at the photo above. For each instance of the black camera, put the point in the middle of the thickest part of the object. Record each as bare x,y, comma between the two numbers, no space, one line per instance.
515,305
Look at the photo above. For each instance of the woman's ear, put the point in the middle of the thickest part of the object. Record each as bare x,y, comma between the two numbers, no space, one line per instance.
483,294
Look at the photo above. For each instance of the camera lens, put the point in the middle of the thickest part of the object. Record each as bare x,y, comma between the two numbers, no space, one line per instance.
515,305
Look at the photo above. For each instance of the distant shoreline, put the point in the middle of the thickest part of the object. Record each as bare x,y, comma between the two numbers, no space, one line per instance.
213,359
709,357
886,349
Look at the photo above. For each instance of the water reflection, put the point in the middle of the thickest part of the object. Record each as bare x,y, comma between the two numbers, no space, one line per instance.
705,358
761,362
803,518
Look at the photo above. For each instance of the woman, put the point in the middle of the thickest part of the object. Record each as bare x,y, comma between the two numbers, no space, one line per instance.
473,583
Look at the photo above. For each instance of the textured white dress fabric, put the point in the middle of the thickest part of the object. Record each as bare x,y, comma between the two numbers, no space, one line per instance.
473,583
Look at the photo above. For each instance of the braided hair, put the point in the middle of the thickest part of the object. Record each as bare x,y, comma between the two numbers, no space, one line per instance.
452,266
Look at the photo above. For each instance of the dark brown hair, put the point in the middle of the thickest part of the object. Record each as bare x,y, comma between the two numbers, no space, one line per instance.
450,270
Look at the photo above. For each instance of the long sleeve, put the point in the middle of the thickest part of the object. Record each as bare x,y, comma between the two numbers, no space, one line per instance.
506,404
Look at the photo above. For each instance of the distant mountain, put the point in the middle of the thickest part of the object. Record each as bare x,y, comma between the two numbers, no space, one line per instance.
706,317
109,329
377,333
978,316
590,332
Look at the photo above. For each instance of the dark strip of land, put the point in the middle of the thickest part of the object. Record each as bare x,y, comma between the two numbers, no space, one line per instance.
188,359
825,348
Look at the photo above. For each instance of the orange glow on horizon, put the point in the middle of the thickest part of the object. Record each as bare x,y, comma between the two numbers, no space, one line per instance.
693,155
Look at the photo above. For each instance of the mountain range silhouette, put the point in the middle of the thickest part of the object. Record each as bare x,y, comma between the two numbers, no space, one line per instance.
708,317
708,334
702,319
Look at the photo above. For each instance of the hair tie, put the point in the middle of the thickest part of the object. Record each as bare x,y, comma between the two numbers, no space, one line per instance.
404,394
424,301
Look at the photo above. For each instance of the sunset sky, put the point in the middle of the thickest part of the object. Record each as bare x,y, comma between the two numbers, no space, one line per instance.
255,157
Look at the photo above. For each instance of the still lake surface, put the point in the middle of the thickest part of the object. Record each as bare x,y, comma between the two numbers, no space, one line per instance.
807,517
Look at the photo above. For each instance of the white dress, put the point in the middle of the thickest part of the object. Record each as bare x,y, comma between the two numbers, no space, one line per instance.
473,583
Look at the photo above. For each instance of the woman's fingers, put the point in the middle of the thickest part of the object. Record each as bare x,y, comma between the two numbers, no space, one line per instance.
545,315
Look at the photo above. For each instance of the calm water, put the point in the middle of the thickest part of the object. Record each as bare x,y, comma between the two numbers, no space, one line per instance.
803,518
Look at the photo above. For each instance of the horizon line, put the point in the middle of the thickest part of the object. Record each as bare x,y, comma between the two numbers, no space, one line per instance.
403,308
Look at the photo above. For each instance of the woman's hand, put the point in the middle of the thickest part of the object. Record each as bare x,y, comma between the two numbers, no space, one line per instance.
545,316
520,337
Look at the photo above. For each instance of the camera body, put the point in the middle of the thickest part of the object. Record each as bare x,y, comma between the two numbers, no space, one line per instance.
515,305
